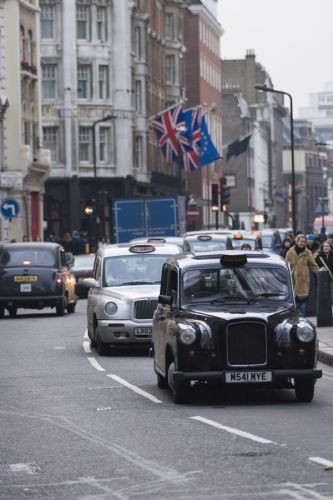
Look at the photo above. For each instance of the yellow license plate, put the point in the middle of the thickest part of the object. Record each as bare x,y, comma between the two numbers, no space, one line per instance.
25,279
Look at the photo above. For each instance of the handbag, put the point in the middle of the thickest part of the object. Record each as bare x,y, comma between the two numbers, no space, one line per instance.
303,297
326,267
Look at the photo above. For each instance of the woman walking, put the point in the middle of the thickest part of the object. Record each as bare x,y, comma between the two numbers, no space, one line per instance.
324,258
301,262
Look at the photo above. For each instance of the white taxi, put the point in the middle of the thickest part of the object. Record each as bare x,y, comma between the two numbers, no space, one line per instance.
123,294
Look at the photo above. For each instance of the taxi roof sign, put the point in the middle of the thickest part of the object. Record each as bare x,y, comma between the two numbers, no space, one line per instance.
204,237
238,236
142,248
236,260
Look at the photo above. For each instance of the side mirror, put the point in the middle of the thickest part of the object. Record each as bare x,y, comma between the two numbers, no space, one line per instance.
69,259
165,299
90,283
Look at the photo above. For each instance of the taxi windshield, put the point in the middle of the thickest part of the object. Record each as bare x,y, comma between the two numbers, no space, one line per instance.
238,243
15,257
83,261
207,245
250,284
133,269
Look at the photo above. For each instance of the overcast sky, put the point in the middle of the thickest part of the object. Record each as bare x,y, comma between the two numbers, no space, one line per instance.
292,39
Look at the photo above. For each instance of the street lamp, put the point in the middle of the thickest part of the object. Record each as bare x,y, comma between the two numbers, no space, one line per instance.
264,88
104,119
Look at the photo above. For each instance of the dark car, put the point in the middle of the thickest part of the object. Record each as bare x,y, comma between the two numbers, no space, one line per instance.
271,241
231,317
82,268
34,276
207,242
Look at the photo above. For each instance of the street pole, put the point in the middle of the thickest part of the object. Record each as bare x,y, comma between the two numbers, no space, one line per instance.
264,88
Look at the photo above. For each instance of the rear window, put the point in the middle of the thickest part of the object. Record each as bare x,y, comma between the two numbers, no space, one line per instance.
207,246
28,256
83,261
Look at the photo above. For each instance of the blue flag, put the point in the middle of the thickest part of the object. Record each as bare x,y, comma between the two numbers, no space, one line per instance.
208,152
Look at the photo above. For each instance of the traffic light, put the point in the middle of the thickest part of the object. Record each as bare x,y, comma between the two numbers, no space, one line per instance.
215,196
225,193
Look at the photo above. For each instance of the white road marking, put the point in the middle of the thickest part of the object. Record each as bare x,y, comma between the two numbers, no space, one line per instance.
85,335
95,364
86,346
238,432
59,348
134,388
107,408
321,461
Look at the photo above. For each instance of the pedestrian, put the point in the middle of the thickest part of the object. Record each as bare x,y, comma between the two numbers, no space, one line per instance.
286,245
301,262
324,258
67,242
246,246
313,243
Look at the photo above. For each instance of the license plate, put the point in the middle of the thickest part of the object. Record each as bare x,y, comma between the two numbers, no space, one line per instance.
143,330
25,279
248,377
25,287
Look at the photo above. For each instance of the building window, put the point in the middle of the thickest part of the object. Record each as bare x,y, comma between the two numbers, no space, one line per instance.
47,18
50,141
138,152
138,42
103,82
83,22
170,69
138,96
103,144
169,26
85,144
84,81
49,81
102,31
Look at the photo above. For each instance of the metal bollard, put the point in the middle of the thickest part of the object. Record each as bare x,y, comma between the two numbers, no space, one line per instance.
311,305
324,300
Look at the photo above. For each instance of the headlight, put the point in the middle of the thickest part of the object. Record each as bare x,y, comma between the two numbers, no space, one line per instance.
110,308
187,334
305,332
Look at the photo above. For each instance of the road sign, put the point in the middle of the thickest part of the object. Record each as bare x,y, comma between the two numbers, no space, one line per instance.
10,208
192,213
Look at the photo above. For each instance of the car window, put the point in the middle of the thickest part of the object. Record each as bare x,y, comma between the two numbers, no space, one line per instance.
133,269
207,246
43,257
83,261
97,269
238,243
259,283
267,241
172,286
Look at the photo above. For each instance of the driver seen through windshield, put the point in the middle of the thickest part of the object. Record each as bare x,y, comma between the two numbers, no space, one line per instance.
222,285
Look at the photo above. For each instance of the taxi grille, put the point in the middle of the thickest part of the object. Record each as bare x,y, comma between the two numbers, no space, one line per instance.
246,344
144,309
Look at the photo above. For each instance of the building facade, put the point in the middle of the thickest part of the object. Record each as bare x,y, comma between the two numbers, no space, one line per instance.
258,193
320,113
203,88
25,162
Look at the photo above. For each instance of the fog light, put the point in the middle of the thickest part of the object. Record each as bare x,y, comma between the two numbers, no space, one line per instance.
301,352
191,354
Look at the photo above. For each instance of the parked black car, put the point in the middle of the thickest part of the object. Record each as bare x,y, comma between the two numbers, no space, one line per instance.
34,276
82,268
231,317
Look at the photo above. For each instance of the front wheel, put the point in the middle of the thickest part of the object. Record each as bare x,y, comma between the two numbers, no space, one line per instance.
61,306
162,382
304,390
180,389
2,312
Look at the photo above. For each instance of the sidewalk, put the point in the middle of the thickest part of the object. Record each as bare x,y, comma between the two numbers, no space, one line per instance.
325,336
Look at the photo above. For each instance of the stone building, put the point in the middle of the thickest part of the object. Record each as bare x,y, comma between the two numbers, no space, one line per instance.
107,66
24,163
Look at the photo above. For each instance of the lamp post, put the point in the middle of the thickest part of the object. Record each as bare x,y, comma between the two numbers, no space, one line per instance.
264,88
104,119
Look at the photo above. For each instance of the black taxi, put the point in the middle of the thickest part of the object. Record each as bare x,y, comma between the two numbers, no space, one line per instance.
34,276
231,317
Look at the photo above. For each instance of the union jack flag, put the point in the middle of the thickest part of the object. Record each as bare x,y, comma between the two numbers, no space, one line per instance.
170,128
191,157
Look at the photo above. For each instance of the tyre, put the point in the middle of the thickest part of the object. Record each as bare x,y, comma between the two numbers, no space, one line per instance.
60,308
162,382
71,307
12,311
304,390
93,343
180,389
2,312
102,348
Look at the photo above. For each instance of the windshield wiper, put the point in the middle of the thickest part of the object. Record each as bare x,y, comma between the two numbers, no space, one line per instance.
225,298
260,295
138,283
